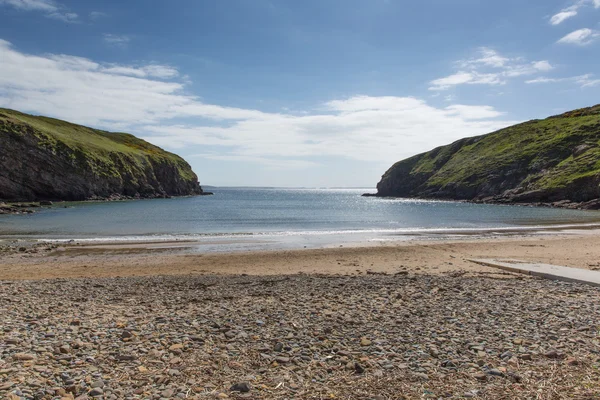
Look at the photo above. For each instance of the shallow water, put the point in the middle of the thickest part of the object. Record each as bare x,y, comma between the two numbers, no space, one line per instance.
256,218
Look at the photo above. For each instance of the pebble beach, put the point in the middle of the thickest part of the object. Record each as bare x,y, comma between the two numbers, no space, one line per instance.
484,335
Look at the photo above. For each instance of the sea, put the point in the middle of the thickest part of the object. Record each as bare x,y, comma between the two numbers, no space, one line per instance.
282,218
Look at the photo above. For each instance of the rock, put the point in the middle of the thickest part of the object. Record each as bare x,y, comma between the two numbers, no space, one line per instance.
282,360
96,392
359,369
554,354
126,335
421,376
572,361
24,357
480,376
365,342
243,387
177,346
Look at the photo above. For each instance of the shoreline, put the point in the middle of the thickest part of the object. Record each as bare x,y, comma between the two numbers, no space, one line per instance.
421,256
591,205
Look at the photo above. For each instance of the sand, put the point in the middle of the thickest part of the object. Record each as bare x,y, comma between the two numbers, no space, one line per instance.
580,250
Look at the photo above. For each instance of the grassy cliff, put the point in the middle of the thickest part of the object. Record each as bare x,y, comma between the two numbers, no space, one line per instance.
551,160
48,159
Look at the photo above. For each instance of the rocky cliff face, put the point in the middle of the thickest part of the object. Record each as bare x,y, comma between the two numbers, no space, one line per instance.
555,160
48,159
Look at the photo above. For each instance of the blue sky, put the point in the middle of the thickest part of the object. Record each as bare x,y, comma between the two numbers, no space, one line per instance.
299,93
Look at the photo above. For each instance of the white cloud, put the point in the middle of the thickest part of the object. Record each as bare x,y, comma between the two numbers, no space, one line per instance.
489,68
152,71
50,8
474,112
32,5
94,15
271,163
543,79
116,40
587,81
470,78
572,11
138,99
580,37
562,16
584,81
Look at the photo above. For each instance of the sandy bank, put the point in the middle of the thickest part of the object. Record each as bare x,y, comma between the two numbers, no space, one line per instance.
581,250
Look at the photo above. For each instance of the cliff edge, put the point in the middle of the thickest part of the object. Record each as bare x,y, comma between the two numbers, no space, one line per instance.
48,159
555,160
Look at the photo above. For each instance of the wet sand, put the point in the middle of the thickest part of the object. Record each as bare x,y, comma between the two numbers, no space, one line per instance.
580,250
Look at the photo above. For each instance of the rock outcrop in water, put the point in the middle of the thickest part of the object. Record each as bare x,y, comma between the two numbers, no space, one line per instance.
553,161
48,159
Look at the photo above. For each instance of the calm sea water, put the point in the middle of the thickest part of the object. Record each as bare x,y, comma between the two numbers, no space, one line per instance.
256,218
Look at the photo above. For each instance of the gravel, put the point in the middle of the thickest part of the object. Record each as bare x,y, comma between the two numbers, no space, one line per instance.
300,336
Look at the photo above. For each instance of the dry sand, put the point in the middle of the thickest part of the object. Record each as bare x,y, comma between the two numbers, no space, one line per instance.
580,250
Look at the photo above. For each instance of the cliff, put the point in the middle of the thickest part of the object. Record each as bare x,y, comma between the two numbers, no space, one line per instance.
555,160
48,159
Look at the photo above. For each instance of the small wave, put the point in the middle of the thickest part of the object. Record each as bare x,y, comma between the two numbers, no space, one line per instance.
375,231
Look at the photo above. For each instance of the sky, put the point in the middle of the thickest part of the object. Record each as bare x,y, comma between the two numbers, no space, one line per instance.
312,93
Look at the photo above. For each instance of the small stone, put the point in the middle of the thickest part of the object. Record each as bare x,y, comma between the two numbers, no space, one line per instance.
177,346
554,354
24,357
125,357
572,361
480,376
168,393
96,392
359,369
495,372
240,387
365,342
278,347
421,376
282,360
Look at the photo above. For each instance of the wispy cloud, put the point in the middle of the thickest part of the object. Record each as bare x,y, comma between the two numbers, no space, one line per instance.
572,11
581,37
50,8
139,100
144,71
562,16
116,40
94,15
584,81
489,68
